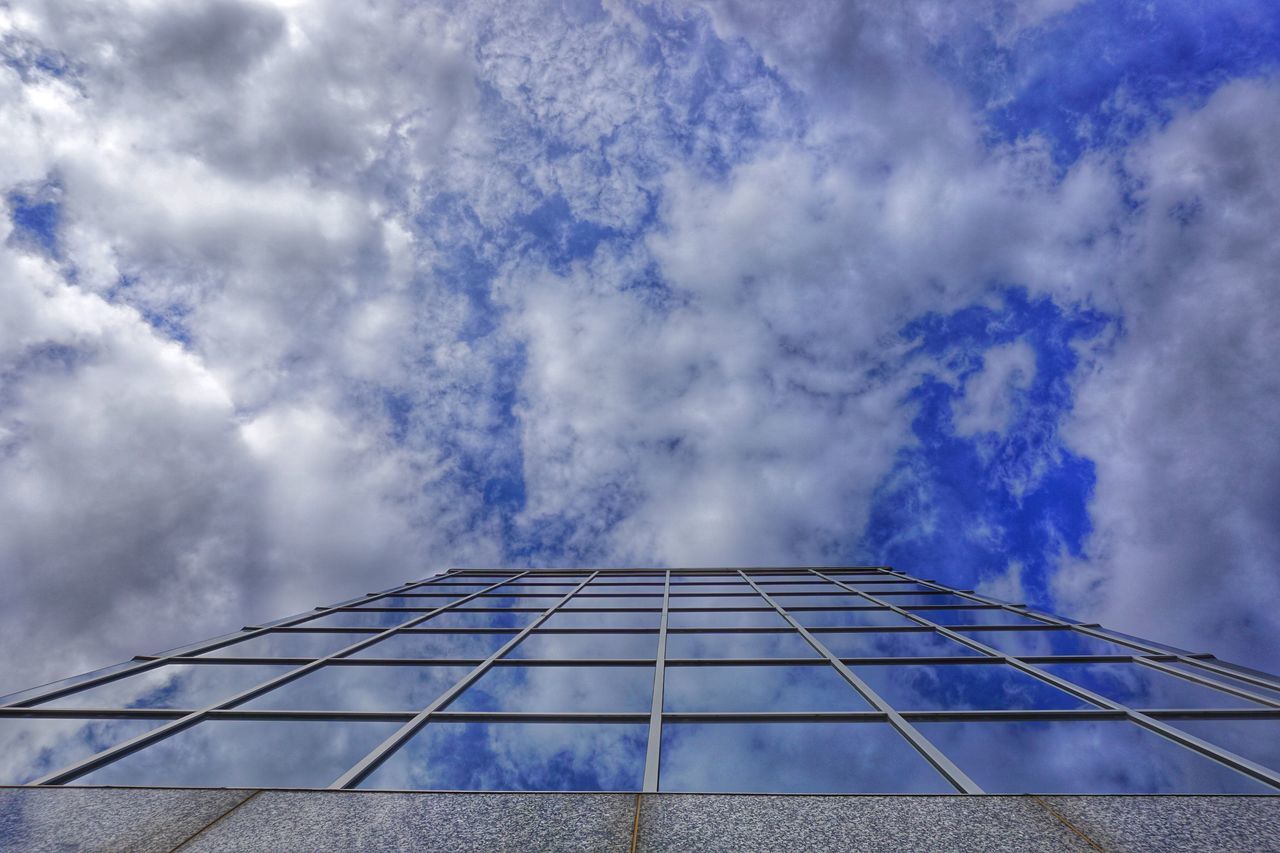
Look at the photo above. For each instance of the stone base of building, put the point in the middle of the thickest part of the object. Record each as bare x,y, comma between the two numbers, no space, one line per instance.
152,819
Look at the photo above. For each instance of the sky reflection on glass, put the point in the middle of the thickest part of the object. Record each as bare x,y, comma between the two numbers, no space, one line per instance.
31,748
580,619
440,646
408,602
247,754
850,618
1081,757
362,688
480,619
1200,671
559,688
1256,740
816,758
606,602
453,756
725,619
526,602
1141,686
976,616
290,644
555,646
979,686
759,688
728,645
884,644
717,601
190,686
360,619
1049,642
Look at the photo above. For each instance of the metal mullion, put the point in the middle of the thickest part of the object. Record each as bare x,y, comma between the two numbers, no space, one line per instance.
652,756
1208,682
383,750
154,661
953,774
1223,756
92,762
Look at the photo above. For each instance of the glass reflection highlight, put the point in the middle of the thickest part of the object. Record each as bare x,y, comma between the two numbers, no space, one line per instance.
188,686
247,754
794,758
31,748
449,756
1081,757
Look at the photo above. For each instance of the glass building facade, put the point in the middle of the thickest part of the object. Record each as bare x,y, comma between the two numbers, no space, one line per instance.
849,680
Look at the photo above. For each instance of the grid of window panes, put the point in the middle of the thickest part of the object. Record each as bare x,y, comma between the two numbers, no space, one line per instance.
848,680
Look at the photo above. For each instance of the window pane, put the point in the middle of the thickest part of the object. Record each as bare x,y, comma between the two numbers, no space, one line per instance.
247,754
610,602
628,588
725,619
1081,757
872,587
294,644
813,758
449,756
480,619
954,687
1223,679
559,688
524,602
556,589
1051,642
819,588
717,601
892,644
840,600
975,616
189,686
362,688
361,619
915,599
1140,686
31,748
554,646
440,646
579,619
1256,740
850,618
788,645
759,688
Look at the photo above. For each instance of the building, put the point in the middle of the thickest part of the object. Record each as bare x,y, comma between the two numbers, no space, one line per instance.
761,681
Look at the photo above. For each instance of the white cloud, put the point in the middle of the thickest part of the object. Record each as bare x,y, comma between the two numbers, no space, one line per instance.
991,395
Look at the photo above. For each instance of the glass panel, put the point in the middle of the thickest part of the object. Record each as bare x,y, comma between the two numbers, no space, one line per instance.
847,599
716,601
554,646
818,588
1223,679
725,619
788,645
628,588
710,588
957,687
915,599
524,602
559,688
190,686
892,644
436,645
563,619
1256,740
1140,686
1051,642
560,589
759,688
609,602
449,756
361,619
975,616
409,602
31,748
812,758
247,754
480,619
1081,757
850,619
298,644
65,682
452,588
876,587
362,688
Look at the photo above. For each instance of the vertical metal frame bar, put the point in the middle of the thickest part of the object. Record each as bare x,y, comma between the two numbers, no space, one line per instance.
653,754
1236,762
383,751
99,759
944,765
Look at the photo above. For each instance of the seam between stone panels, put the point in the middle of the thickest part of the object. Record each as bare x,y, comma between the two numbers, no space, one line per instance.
201,830
1061,818
635,824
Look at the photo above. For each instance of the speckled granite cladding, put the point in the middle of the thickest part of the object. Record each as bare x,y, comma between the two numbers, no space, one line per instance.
676,823
108,820
341,820
73,819
1175,823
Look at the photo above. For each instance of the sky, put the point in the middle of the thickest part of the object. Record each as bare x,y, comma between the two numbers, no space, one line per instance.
300,300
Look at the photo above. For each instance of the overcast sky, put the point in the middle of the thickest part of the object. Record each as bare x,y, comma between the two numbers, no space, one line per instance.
300,300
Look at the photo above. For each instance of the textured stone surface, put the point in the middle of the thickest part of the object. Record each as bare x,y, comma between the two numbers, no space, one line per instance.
1174,823
107,819
359,820
673,823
